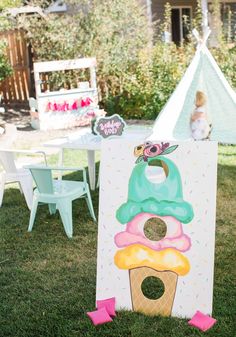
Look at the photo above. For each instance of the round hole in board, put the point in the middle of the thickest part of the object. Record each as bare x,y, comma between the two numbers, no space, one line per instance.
155,229
156,171
152,287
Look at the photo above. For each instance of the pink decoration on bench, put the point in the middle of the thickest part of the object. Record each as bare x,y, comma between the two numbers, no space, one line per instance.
66,106
202,321
85,102
49,106
74,106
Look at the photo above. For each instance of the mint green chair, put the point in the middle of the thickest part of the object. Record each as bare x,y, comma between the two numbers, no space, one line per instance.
58,194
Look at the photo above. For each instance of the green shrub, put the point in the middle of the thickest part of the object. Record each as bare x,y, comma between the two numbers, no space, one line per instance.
155,76
226,58
10,3
147,89
5,68
114,31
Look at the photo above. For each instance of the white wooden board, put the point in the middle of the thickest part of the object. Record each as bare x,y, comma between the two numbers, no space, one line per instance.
196,163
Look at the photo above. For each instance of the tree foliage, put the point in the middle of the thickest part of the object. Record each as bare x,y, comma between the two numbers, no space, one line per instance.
5,68
114,31
4,4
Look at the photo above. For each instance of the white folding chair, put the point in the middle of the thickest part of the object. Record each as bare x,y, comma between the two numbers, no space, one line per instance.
14,172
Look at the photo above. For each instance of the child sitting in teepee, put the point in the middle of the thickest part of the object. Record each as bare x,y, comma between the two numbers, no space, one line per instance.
199,124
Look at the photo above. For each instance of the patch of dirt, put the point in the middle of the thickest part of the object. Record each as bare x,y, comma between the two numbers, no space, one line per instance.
29,138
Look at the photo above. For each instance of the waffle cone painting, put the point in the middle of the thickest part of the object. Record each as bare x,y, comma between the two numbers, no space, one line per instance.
157,223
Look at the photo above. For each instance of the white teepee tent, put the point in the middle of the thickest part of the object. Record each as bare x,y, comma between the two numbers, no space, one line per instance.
202,74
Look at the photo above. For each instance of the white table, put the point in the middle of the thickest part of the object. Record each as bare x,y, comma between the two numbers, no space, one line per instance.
85,140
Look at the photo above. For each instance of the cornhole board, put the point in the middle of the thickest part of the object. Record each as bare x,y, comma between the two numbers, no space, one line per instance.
182,193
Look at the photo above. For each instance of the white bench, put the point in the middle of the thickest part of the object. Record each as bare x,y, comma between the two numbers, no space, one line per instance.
44,117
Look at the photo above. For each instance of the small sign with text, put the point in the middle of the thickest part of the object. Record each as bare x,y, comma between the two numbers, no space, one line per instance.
110,126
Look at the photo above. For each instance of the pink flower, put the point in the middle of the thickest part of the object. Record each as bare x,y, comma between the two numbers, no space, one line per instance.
152,150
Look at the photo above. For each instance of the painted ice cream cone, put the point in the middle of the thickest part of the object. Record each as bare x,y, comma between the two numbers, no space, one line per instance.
143,262
160,306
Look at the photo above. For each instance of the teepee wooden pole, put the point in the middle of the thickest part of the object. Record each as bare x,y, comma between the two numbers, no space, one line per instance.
204,18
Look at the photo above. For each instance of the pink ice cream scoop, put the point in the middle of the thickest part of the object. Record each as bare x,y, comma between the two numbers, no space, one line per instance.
134,234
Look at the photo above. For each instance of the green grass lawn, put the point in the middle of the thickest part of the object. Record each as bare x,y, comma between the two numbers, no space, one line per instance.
47,282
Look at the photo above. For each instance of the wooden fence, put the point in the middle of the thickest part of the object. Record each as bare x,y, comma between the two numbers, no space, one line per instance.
16,88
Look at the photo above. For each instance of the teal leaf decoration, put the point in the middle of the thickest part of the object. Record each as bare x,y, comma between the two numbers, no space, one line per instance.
169,149
139,159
